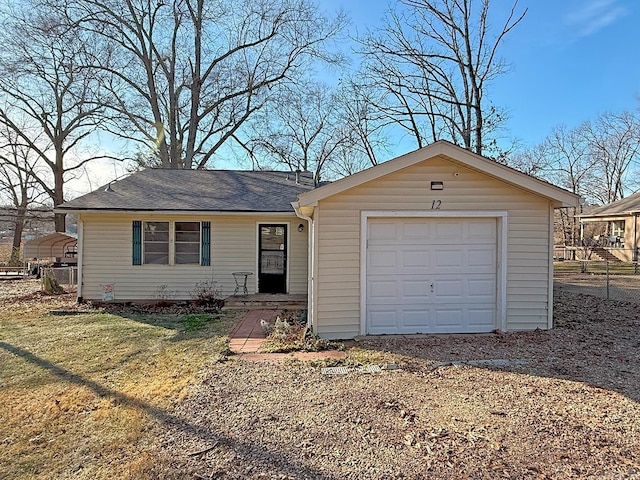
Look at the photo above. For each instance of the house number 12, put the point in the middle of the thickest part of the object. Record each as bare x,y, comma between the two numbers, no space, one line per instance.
435,205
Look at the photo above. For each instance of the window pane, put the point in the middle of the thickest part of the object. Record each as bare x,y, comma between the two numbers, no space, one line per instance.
156,258
188,227
187,258
187,248
187,236
187,243
156,243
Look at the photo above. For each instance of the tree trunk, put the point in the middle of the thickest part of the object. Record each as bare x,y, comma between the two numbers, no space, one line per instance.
58,194
17,236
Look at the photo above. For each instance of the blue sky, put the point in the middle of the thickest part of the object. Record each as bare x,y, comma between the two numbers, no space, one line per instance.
571,60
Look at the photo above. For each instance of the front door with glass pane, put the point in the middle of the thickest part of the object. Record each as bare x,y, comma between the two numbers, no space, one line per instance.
272,258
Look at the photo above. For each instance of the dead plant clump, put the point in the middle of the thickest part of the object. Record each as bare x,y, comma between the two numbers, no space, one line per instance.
289,333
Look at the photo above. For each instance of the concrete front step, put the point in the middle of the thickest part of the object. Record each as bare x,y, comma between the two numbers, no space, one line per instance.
263,300
261,306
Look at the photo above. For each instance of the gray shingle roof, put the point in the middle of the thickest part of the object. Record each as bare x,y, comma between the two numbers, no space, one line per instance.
197,190
625,206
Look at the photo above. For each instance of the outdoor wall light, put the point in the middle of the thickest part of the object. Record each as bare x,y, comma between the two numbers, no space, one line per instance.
301,227
437,186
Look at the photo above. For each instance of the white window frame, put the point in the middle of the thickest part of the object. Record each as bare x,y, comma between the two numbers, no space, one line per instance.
172,243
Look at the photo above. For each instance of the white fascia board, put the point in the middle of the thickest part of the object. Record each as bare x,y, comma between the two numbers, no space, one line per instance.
179,212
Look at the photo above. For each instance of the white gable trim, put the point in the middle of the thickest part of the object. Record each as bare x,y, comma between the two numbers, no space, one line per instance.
561,198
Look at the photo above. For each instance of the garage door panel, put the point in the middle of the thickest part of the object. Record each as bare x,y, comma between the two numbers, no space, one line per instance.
483,318
450,319
481,289
415,320
383,321
382,230
413,290
431,275
482,257
382,258
448,229
448,258
415,230
448,291
479,230
383,290
414,260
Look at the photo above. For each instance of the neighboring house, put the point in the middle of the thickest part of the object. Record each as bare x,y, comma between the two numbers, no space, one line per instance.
622,227
436,241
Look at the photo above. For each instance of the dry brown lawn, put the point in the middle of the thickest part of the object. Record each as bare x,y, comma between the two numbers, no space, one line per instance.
81,393
121,398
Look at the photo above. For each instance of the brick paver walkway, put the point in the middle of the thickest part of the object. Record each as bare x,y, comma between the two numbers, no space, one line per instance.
248,336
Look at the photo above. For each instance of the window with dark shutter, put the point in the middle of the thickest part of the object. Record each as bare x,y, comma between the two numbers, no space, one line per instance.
205,257
137,243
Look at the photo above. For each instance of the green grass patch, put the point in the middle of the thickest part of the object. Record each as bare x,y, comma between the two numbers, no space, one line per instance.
196,322
615,268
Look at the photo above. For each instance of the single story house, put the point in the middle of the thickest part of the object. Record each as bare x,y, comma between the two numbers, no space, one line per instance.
622,227
439,240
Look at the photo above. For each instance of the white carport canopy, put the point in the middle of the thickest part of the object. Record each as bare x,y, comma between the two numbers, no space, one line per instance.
49,246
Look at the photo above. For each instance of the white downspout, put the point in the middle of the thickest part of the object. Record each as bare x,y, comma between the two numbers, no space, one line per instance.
79,258
310,263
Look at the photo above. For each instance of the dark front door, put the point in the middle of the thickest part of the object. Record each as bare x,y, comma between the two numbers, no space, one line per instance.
272,259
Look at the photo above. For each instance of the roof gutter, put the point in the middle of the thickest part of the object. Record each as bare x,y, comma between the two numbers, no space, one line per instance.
171,212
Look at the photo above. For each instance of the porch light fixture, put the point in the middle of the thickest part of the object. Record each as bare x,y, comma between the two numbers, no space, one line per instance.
437,186
301,227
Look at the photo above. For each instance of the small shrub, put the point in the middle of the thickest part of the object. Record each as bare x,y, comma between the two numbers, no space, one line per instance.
163,295
207,293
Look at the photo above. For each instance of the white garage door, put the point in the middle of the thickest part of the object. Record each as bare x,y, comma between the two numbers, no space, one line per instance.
431,275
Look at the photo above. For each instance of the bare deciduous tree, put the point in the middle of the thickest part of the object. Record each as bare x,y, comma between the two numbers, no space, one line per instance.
18,185
307,134
434,60
186,75
45,82
614,146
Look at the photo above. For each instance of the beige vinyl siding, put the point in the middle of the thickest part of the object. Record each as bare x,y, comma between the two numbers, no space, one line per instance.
107,256
337,312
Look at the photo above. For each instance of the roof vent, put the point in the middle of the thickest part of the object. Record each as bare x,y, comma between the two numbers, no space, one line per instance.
297,176
108,188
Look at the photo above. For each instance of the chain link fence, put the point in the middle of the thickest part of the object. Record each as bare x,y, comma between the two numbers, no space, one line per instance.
65,277
613,280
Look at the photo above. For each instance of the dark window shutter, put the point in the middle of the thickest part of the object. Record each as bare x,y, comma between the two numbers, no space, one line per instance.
205,258
137,242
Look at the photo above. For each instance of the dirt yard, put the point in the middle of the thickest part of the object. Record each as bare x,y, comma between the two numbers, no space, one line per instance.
543,405
621,287
536,405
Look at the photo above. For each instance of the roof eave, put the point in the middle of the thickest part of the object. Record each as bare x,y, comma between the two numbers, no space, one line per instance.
560,197
173,212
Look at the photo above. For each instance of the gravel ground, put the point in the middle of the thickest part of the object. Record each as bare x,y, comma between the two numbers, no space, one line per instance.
558,404
541,405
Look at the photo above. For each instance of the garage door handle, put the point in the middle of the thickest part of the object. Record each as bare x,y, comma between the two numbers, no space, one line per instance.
431,287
